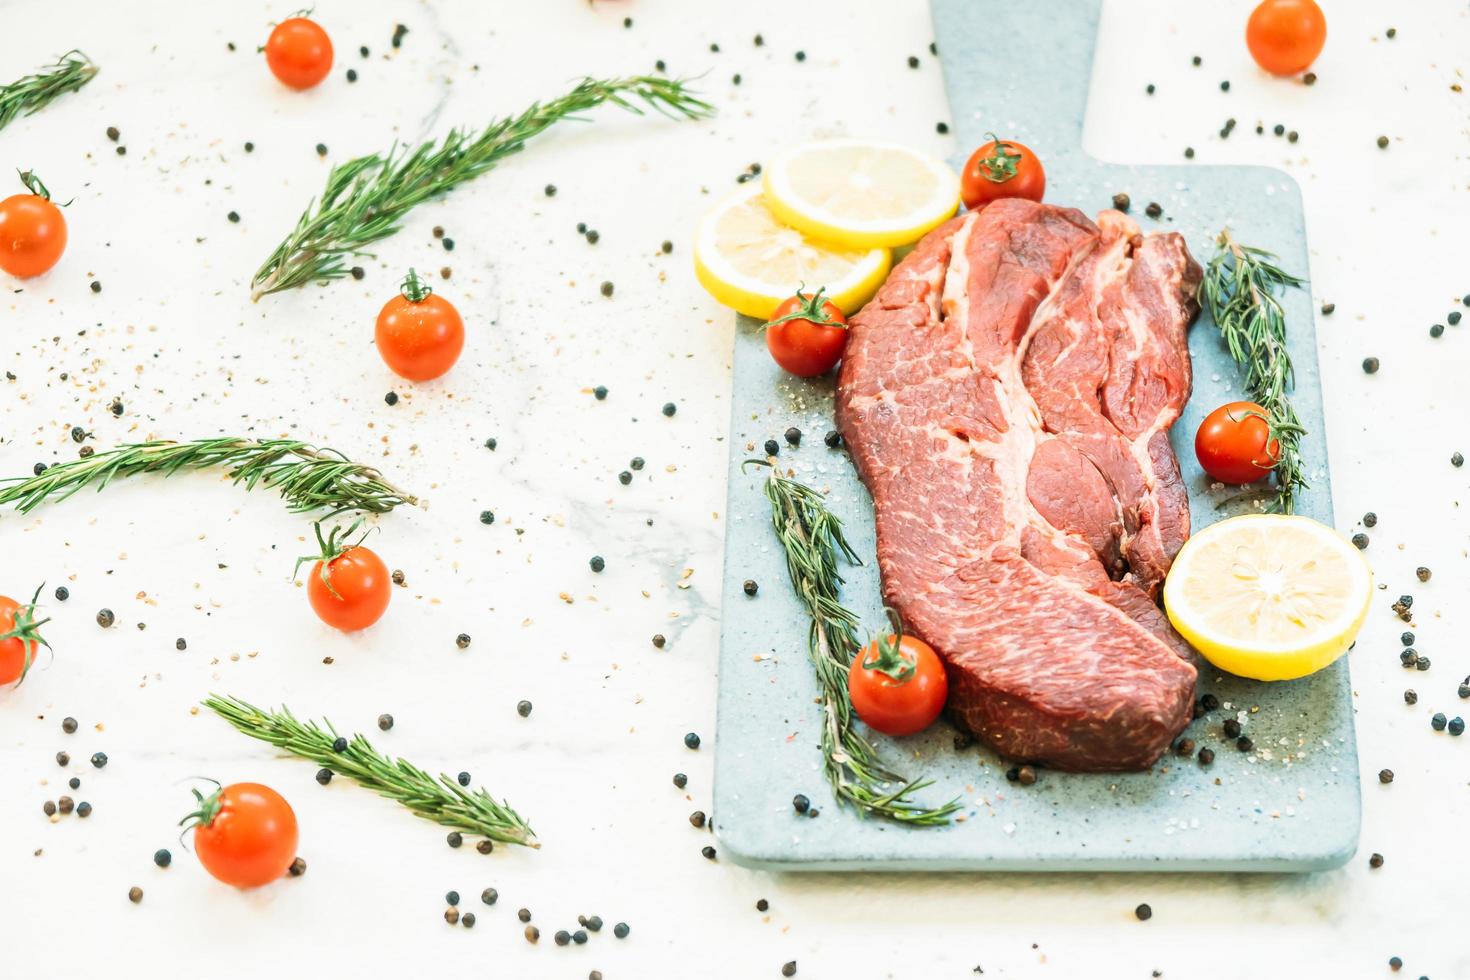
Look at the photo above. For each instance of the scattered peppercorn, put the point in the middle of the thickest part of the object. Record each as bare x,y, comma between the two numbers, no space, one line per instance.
532,934
833,439
1423,574
1121,201
1411,696
358,272
636,463
1457,460
1422,663
485,846
1360,541
594,922
523,708
562,937
65,804
596,563
1457,726
941,128
600,392
105,618
680,780
772,447
489,896
1394,963
487,517
96,286
621,930
1375,860
659,641
1206,756
324,776
135,894
1184,747
391,398
1310,78
1189,153
321,149
801,56
1385,776
691,740
669,409
462,641
464,778
297,868
788,969
625,478
1383,142
99,760
1436,330
1143,912
1464,689
1026,776
523,914
1438,722
607,287
1232,728
1154,210
579,937
751,587
793,436
234,217
352,74
1149,88
800,803
696,819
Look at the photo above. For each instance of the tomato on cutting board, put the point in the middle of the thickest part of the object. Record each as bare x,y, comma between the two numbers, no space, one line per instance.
20,638
897,685
348,586
1285,36
1001,168
1231,443
32,230
245,834
419,335
299,52
806,334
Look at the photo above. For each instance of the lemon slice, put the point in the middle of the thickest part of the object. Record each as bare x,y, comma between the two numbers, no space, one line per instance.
750,261
1267,596
861,194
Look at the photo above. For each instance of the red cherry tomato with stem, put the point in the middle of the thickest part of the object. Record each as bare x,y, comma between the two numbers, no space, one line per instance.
419,335
1231,443
20,638
1285,36
897,685
806,334
245,834
32,230
299,52
1002,168
348,586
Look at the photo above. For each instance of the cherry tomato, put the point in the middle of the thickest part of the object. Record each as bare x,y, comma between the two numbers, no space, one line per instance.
1231,443
1002,168
299,52
419,335
1285,36
245,834
897,685
20,640
806,335
348,585
32,230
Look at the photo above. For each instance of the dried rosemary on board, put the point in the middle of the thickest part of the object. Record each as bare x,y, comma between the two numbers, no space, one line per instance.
811,537
1241,290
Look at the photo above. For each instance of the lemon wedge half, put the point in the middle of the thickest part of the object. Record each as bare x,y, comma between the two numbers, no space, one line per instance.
1269,597
750,261
861,194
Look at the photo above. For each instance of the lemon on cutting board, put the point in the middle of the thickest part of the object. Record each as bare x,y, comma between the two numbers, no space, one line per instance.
750,261
1267,596
860,193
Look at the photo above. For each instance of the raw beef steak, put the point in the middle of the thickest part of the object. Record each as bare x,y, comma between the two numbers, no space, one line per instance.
1007,398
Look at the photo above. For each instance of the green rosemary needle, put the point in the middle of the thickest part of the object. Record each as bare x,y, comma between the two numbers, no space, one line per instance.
29,95
366,199
811,536
308,478
1241,287
441,800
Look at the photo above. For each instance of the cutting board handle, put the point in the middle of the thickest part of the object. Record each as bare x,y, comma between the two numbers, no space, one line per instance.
1020,69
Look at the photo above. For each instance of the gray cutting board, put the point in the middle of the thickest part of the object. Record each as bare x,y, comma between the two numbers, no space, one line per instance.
1292,805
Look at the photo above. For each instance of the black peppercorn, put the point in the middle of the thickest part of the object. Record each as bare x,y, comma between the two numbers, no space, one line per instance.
833,439
680,780
800,803
162,857
1206,756
1232,728
105,618
691,740
1385,776
596,563
1360,541
1370,365
600,392
625,478
99,760
1375,860
562,937
463,778
788,969
1121,202
523,708
69,724
669,409
84,809
1457,460
772,447
607,289
1244,743
523,914
1411,696
621,930
135,894
324,776
636,463
751,587
1143,912
1457,726
181,644
1423,573
391,398
485,846
385,722
659,641
579,937
708,852
1154,210
696,819
1370,519
454,838
489,896
487,517
1438,722
462,641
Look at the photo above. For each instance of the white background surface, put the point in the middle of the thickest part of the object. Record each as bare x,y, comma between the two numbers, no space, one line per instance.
173,334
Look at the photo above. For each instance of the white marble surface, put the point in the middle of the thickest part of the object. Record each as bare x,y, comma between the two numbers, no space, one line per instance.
174,336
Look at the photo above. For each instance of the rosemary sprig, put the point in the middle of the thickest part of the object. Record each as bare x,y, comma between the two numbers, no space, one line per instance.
812,538
441,800
308,478
365,199
1241,287
31,94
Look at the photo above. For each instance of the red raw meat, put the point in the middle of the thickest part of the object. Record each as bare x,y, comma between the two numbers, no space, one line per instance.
1007,398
